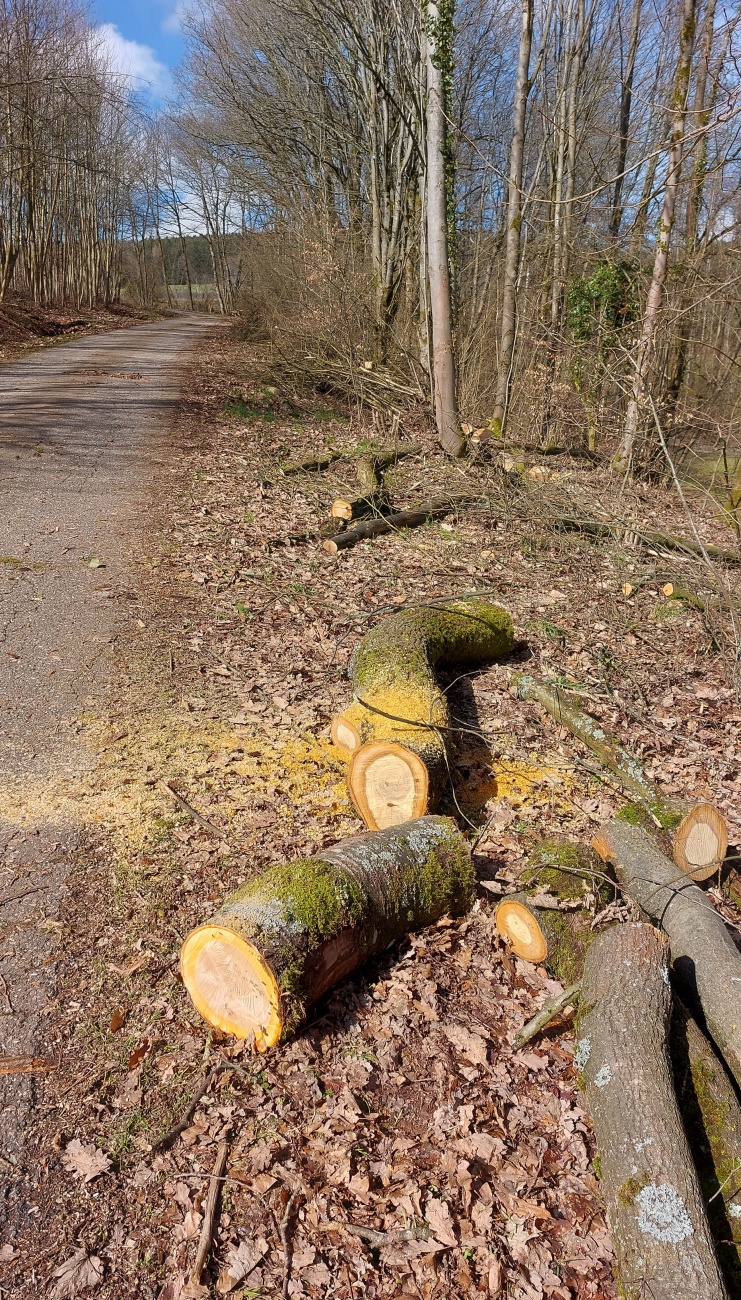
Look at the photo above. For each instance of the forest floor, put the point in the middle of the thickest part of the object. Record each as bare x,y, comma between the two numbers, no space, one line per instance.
427,1156
27,326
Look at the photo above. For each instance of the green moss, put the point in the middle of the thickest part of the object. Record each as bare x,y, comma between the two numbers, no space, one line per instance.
597,1167
639,814
314,896
630,1189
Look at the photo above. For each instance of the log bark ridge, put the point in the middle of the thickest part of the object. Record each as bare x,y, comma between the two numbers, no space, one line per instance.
282,940
396,732
662,1239
705,959
393,523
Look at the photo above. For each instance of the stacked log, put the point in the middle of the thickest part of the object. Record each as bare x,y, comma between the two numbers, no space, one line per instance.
396,733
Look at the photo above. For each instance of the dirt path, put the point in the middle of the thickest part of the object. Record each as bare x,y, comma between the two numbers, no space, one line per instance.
82,441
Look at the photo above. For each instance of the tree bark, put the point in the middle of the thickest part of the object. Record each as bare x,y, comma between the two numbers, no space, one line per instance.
626,102
514,221
441,305
626,452
394,523
282,940
705,960
662,1239
396,732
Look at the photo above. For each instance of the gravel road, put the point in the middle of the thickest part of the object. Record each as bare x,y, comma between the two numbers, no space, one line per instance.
83,436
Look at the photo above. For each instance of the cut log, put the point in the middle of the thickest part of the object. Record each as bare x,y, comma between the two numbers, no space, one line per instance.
711,1115
395,522
397,730
705,960
622,528
701,842
564,890
285,938
363,507
317,461
662,1238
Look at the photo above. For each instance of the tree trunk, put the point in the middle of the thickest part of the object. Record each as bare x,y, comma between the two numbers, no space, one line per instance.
285,938
626,452
396,731
514,221
394,523
626,101
705,959
662,1238
437,45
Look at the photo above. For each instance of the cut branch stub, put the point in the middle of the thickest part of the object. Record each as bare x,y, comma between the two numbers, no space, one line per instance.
285,938
520,930
701,842
396,731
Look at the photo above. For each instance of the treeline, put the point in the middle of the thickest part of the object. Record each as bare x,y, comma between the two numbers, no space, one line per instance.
591,164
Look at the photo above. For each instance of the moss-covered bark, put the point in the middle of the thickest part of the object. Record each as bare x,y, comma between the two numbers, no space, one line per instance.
572,874
711,1115
396,694
313,921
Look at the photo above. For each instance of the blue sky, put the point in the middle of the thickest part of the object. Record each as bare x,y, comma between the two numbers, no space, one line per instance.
143,40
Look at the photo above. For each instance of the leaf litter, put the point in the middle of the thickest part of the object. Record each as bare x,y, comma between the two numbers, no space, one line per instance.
432,1156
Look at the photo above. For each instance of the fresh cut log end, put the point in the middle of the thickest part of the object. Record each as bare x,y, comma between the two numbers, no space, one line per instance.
701,842
286,937
345,735
521,931
231,986
389,784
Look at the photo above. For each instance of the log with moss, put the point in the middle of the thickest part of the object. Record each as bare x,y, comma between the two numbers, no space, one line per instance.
282,940
396,733
711,1115
699,834
550,919
662,1238
705,960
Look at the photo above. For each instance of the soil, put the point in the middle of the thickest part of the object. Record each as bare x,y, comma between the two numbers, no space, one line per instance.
401,1144
27,326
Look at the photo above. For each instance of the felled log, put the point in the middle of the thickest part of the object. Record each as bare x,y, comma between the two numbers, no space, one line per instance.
711,1115
662,1238
396,731
550,919
620,528
395,522
700,838
705,959
282,940
373,496
317,461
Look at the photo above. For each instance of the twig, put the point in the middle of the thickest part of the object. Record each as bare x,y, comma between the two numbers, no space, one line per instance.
202,821
207,1230
546,1014
172,1133
286,1237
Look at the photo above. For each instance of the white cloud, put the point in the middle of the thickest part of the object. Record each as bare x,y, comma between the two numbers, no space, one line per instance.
173,22
134,60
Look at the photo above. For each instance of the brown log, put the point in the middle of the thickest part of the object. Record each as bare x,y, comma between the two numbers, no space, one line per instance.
711,1115
701,842
705,960
662,1238
317,461
618,528
395,522
285,938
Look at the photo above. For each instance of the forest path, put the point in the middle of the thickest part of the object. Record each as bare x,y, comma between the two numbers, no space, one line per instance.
83,439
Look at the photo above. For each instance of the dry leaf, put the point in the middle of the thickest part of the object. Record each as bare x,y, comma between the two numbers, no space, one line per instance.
240,1262
81,1272
7,1252
438,1216
473,1046
88,1162
117,1021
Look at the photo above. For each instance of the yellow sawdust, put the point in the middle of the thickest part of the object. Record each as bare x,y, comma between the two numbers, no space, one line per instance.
529,783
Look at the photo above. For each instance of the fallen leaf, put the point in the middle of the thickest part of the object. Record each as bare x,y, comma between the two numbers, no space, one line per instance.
473,1046
239,1263
95,563
138,1054
7,1252
81,1272
117,1021
88,1162
438,1216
